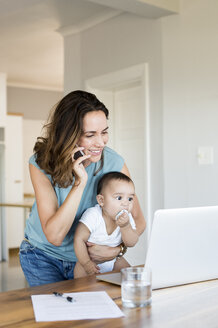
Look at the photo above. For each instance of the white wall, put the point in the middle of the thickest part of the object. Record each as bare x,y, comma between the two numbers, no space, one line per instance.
190,79
119,43
33,103
31,130
3,98
182,52
72,63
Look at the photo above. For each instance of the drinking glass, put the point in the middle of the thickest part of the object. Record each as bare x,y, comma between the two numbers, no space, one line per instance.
136,287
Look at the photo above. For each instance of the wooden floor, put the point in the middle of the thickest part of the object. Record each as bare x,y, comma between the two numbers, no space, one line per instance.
11,274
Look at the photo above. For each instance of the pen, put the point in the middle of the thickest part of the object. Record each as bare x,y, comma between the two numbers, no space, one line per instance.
68,298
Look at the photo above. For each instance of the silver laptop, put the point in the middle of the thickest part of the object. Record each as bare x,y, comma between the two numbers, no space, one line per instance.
183,247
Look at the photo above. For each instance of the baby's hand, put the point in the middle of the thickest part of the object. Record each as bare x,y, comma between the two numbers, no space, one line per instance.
91,268
123,220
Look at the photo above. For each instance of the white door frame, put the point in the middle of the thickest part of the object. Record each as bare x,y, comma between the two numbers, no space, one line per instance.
137,73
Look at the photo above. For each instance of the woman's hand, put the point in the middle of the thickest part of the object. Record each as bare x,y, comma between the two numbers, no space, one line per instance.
100,253
79,171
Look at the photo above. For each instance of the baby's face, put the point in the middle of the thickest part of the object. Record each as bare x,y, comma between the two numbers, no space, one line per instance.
117,195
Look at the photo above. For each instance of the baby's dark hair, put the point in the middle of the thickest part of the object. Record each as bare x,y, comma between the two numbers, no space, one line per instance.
106,178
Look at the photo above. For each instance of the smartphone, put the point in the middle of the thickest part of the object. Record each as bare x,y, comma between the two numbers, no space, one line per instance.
78,154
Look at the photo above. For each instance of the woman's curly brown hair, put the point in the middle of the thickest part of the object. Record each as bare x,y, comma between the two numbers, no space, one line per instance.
62,132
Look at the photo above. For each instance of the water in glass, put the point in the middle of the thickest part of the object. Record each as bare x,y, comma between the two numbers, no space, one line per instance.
136,293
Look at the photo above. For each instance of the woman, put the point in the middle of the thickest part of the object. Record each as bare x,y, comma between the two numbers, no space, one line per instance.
65,187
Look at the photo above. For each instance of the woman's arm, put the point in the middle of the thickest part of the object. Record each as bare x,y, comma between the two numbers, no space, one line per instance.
56,221
136,212
101,253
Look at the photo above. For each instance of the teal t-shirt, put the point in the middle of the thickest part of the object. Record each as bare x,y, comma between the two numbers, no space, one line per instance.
33,230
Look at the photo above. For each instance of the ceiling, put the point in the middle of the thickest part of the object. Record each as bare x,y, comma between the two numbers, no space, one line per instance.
31,49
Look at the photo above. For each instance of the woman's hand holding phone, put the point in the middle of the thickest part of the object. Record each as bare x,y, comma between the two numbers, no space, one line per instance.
78,156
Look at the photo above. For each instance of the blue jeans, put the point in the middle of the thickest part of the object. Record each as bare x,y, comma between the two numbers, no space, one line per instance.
40,268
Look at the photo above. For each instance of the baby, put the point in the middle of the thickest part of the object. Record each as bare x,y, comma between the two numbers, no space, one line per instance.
108,223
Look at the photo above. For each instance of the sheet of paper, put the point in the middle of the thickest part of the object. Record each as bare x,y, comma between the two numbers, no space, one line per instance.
85,305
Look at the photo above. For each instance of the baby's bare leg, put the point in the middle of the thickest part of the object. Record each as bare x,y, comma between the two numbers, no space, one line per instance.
79,271
120,264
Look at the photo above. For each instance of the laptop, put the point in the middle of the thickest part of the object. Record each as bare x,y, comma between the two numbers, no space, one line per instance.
183,247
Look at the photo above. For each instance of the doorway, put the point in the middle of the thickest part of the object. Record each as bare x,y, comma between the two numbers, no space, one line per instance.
125,94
